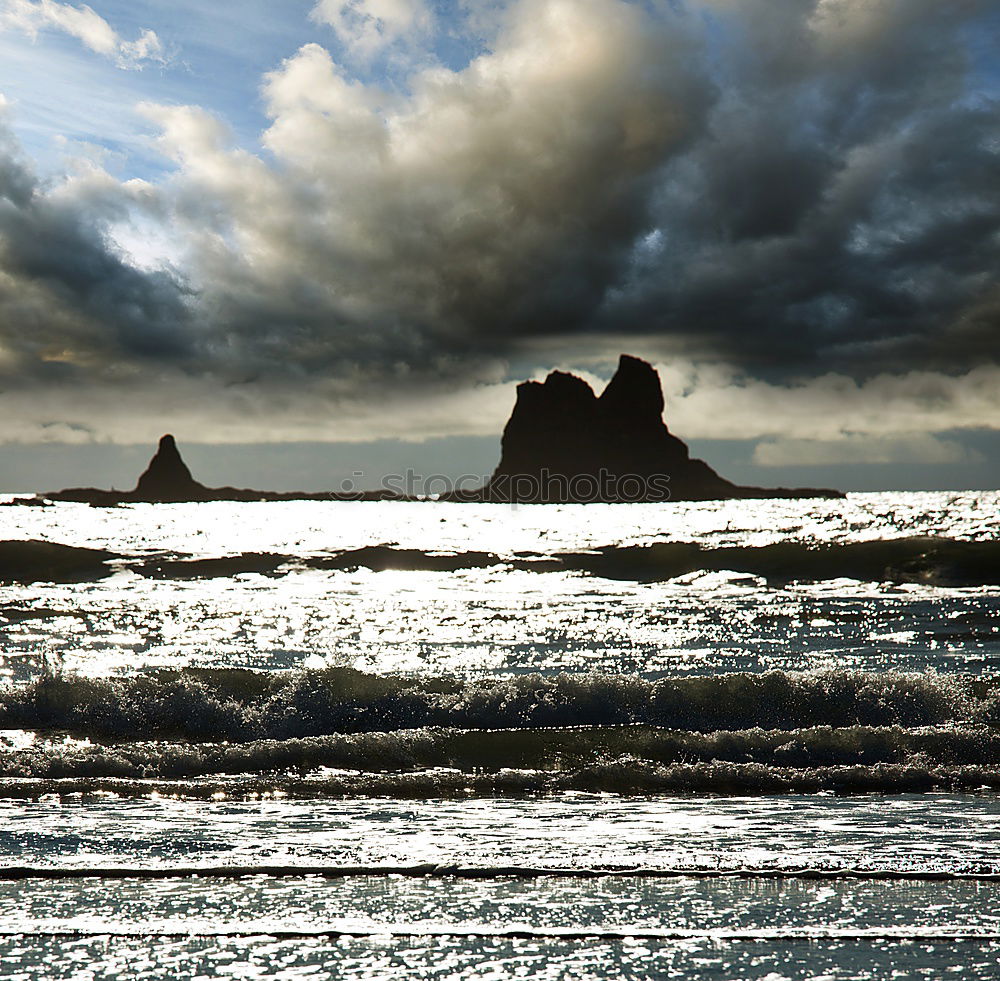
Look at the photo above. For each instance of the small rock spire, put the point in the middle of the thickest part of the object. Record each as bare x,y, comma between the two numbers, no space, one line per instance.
167,477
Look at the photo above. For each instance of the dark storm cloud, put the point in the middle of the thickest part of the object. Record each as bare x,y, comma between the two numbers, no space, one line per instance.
794,183
68,302
485,205
842,209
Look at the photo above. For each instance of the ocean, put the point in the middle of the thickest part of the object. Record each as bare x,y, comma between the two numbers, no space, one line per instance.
737,740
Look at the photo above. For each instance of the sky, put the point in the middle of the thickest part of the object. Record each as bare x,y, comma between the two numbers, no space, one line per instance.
322,239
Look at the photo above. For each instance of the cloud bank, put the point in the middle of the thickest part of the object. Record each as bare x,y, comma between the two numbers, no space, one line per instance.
795,199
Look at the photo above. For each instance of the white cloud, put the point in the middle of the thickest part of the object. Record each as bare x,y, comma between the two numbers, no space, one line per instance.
920,448
146,47
86,25
368,27
718,402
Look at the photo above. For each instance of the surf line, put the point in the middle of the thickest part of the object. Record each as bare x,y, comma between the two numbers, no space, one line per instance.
12,873
513,933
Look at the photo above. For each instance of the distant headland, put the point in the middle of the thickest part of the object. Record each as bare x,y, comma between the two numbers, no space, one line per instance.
562,444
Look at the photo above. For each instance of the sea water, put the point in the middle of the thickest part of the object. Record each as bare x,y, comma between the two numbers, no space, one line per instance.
754,739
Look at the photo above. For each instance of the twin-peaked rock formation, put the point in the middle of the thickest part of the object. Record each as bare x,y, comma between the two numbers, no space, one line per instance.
565,444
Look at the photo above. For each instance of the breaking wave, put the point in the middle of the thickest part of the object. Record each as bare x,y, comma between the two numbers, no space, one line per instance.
929,561
203,704
338,732
614,777
550,751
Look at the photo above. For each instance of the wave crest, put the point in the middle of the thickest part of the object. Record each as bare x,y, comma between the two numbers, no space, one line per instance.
240,705
730,779
629,749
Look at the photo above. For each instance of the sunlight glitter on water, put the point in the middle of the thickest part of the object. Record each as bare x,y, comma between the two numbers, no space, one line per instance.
500,620
931,831
307,526
479,621
494,959
496,619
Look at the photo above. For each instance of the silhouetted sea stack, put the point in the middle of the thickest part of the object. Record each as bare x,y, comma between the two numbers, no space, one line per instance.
564,444
167,478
